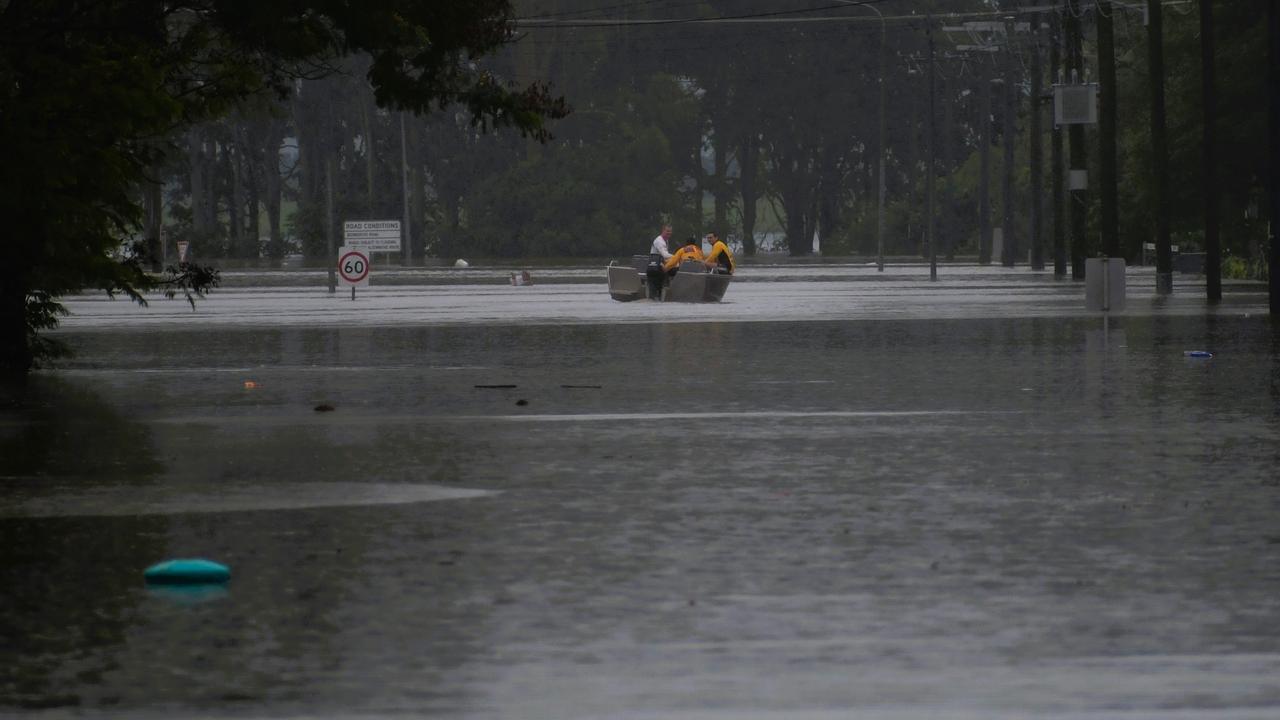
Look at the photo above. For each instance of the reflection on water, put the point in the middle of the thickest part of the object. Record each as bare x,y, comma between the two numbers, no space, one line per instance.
71,499
973,518
188,594
61,592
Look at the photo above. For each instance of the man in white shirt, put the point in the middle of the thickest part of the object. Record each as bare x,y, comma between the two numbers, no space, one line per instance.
659,246
658,254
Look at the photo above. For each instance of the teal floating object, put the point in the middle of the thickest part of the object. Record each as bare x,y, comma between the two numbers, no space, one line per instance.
187,572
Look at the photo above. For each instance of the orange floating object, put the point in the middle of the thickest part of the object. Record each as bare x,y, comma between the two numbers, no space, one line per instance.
249,384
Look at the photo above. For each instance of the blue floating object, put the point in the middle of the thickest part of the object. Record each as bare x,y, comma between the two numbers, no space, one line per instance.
1197,353
187,572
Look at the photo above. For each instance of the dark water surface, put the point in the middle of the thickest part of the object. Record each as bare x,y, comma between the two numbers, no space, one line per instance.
897,518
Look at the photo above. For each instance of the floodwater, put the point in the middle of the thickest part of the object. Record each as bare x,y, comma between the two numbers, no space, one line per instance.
837,494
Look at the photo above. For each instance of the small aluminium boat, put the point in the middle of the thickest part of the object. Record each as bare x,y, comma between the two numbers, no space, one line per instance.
692,283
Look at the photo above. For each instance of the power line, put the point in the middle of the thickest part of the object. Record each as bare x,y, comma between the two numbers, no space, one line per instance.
844,33
534,23
537,23
640,3
579,40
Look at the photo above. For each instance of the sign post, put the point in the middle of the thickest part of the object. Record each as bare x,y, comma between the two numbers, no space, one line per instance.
353,268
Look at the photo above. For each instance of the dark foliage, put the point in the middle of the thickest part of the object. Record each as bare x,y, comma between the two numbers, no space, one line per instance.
91,90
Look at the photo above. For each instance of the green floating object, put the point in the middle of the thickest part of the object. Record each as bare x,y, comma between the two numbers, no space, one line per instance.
187,572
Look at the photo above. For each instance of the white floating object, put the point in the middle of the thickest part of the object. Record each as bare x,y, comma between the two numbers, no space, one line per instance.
460,263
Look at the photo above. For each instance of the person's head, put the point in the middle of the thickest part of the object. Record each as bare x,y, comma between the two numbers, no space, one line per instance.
712,238
691,241
666,232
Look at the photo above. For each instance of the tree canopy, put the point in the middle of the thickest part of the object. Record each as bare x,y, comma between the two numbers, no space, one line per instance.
92,91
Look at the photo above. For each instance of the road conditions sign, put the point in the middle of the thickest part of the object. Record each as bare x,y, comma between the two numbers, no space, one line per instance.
353,267
372,235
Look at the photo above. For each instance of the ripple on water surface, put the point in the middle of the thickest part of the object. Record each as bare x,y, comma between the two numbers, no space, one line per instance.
117,501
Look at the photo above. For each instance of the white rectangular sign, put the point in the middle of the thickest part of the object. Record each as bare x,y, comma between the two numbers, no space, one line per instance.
372,235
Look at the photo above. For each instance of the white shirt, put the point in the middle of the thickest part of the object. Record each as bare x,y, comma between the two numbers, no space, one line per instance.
660,248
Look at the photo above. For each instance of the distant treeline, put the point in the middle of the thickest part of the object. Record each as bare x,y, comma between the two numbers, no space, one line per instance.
713,125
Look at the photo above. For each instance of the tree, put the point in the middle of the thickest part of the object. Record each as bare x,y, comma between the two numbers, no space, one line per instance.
1209,185
598,190
1239,120
90,92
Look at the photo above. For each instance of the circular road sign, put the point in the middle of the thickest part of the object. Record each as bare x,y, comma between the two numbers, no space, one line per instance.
353,266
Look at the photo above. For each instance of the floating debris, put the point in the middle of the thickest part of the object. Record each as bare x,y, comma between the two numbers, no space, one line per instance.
582,387
249,384
189,571
494,387
324,407
1197,353
522,402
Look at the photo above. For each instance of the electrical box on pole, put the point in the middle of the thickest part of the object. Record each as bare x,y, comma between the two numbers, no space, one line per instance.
1075,104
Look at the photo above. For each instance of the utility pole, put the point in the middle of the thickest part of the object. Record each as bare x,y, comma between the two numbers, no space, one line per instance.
330,160
998,69
1009,246
984,182
1107,131
406,251
1208,176
1273,154
884,48
1075,134
947,154
1056,168
328,226
153,209
932,173
1159,149
1036,151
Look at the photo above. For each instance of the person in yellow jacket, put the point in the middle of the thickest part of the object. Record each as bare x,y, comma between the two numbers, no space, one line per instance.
691,251
720,259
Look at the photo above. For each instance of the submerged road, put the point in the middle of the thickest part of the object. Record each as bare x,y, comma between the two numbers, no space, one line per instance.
579,296
838,494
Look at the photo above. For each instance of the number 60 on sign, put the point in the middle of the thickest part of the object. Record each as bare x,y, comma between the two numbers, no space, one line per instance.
353,267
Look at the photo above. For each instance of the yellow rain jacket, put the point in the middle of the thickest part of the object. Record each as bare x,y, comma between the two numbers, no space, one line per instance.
720,254
688,252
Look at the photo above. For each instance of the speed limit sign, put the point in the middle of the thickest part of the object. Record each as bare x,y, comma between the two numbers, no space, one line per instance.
353,267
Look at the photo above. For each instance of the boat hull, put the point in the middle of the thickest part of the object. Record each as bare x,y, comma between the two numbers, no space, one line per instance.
692,284
625,284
